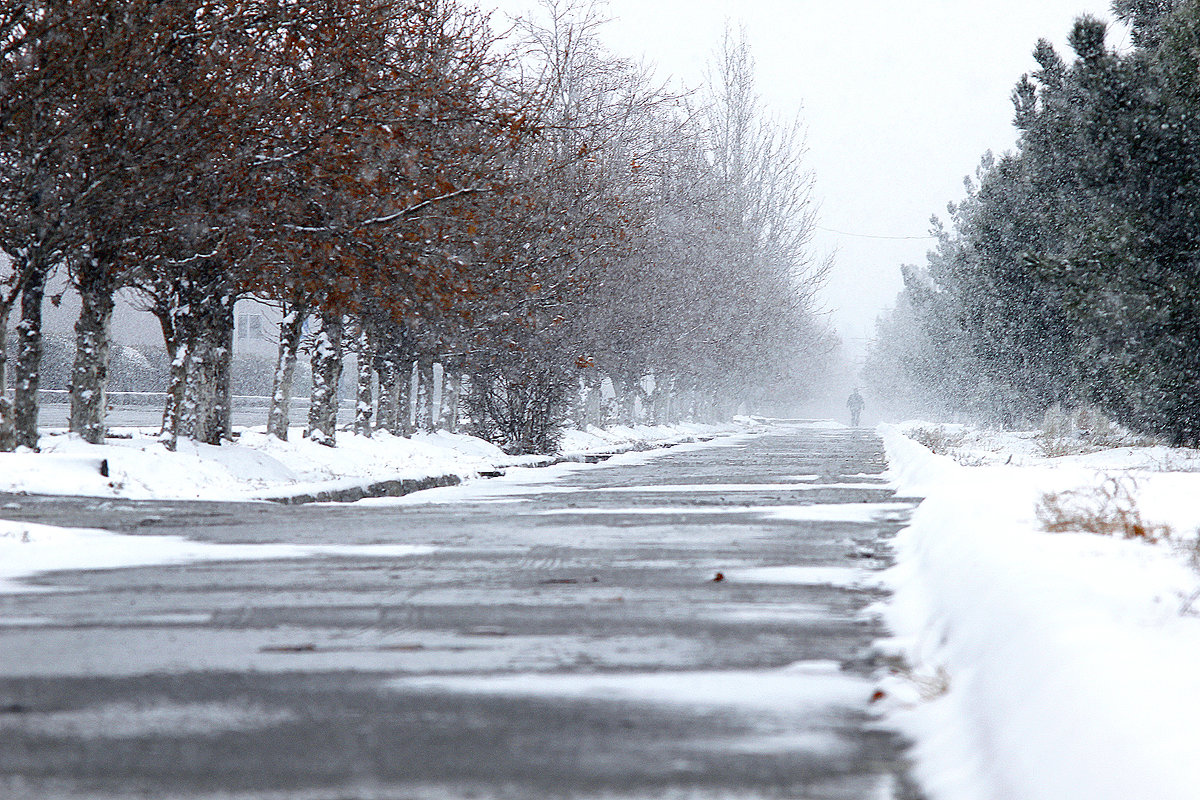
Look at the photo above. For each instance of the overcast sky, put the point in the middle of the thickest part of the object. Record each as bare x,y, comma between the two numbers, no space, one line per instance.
901,99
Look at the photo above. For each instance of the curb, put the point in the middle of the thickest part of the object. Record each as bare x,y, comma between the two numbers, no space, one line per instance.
348,494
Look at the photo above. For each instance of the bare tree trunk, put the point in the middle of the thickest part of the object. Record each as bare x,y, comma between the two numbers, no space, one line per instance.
365,403
291,328
650,400
643,404
626,401
4,312
89,377
388,418
451,389
594,405
578,404
326,375
198,325
687,406
425,405
199,393
437,394
204,415
222,337
177,352
405,400
8,440
664,407
176,389
29,359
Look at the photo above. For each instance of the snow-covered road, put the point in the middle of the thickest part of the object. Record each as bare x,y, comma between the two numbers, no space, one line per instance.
551,633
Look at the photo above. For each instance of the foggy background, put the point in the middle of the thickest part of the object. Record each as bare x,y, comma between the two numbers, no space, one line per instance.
900,100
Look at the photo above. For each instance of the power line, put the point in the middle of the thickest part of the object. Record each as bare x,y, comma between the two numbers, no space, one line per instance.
869,236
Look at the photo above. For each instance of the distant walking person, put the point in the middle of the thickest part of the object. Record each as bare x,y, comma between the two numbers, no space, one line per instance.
855,404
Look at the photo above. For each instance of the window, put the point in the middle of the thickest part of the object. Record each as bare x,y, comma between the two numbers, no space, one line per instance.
250,326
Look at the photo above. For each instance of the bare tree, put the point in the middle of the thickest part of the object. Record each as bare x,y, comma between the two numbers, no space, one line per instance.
41,182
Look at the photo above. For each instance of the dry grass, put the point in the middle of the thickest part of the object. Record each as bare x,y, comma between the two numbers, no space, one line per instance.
938,439
1056,447
1083,430
1109,509
932,686
1060,437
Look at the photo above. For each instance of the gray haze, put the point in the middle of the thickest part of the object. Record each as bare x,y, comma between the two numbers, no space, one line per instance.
900,100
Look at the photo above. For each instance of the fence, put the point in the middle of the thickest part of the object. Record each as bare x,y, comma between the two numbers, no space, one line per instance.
144,409
119,400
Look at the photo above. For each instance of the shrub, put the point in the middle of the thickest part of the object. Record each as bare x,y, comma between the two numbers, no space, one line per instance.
1058,436
1109,509
1085,430
1097,429
937,438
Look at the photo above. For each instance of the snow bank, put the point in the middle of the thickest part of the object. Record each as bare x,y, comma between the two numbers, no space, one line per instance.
258,465
1051,665
140,468
624,437
28,549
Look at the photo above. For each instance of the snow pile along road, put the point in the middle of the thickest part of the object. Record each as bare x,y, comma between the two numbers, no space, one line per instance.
1045,666
28,549
137,466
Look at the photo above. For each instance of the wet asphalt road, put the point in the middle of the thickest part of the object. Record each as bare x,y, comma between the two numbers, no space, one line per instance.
565,639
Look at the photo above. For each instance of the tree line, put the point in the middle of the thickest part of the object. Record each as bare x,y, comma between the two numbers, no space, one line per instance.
528,214
1068,274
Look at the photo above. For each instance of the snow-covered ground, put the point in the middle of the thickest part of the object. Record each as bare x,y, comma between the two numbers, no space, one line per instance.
1045,666
139,467
28,549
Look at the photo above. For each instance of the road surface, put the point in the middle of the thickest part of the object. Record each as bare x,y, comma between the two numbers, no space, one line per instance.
565,639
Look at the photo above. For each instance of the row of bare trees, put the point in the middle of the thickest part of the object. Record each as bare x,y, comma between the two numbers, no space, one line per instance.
531,214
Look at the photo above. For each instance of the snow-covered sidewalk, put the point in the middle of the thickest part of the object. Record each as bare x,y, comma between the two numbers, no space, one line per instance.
261,466
256,466
1045,666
